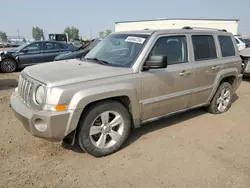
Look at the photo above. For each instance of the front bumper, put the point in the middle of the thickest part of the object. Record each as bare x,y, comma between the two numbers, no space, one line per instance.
56,122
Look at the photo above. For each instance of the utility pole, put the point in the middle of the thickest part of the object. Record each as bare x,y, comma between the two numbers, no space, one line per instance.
18,35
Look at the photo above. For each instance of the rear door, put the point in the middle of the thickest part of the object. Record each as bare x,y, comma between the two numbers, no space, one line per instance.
31,54
206,64
50,51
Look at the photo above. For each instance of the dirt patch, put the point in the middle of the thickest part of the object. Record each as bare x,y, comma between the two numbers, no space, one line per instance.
8,84
194,149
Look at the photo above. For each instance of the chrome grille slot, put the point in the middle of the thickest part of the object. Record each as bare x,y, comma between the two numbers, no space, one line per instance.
19,84
25,89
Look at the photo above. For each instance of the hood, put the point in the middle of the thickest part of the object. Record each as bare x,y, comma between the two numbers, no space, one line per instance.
11,51
70,55
73,71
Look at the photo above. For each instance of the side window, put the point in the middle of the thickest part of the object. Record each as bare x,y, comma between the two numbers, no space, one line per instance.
174,47
204,47
226,46
57,46
34,47
237,41
51,46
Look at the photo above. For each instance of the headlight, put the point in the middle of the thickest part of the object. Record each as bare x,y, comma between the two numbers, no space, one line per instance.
40,94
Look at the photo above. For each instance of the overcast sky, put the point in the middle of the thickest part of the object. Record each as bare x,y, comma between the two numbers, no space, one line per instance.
92,16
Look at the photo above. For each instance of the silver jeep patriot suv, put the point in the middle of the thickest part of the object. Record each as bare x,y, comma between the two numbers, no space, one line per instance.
128,79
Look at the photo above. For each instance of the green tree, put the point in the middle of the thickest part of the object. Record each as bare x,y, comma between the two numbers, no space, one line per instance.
107,32
101,34
3,36
37,33
73,32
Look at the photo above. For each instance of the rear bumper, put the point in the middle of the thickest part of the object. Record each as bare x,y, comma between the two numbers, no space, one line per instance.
55,124
246,68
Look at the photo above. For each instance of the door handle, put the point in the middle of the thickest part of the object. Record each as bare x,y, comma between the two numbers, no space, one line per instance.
216,67
184,73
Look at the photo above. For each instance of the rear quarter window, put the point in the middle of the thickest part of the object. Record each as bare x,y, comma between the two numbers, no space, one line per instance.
204,47
226,46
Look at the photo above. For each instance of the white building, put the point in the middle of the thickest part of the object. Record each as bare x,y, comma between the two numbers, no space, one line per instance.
231,25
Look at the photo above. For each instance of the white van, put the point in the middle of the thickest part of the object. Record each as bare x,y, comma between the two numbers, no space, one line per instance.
241,45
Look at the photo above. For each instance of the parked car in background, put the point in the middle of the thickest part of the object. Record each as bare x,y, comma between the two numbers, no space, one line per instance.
245,56
1,45
31,54
81,52
241,45
128,79
247,42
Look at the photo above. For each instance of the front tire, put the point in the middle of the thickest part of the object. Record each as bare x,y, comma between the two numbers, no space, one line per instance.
222,99
104,128
8,66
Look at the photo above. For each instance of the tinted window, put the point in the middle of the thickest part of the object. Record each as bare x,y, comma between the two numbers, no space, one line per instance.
34,47
51,46
174,47
226,46
204,47
57,46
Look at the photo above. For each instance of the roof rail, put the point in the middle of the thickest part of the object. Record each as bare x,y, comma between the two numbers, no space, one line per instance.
204,28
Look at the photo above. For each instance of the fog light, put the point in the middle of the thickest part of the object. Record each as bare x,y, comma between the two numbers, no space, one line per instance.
40,125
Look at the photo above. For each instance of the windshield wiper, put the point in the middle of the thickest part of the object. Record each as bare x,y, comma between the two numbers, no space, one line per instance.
99,61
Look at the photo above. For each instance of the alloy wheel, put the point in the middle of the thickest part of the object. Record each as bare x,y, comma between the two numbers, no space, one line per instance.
107,129
8,66
224,100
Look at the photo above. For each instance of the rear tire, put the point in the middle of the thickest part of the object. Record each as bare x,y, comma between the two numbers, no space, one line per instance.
8,66
104,128
222,99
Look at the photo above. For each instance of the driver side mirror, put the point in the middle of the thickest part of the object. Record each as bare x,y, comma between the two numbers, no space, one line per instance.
25,50
156,62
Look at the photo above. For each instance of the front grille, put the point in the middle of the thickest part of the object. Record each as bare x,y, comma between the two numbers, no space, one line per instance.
25,90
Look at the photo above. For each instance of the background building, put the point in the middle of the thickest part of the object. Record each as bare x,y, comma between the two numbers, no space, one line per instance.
231,25
16,38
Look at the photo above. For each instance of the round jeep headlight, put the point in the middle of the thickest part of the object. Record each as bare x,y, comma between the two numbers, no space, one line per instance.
39,96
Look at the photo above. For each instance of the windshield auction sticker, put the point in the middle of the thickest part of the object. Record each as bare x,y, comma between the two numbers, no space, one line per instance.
138,40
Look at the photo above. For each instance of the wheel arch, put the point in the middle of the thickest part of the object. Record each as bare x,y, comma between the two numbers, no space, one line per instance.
123,99
227,75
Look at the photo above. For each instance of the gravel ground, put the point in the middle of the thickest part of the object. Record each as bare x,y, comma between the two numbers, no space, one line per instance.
192,150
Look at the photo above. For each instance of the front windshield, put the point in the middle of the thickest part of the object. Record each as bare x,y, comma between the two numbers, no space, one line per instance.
118,49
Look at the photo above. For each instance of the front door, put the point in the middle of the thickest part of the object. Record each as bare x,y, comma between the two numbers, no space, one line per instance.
168,90
31,54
